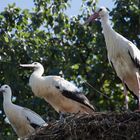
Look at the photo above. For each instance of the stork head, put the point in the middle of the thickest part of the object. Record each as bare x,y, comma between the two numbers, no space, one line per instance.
35,65
6,90
99,13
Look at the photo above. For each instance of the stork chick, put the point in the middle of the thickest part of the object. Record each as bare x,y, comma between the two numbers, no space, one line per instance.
123,55
62,95
23,120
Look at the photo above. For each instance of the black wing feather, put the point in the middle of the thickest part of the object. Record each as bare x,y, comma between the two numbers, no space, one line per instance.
113,66
35,126
134,60
78,97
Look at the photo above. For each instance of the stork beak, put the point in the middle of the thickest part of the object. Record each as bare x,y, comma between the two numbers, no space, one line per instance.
1,90
92,18
27,65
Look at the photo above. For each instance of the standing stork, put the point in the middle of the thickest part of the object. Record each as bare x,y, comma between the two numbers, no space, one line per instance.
62,95
23,120
123,55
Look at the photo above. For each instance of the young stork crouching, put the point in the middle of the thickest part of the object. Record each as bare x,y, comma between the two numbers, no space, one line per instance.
62,95
24,121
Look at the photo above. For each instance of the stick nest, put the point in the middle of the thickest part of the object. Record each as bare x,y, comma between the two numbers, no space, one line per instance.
99,126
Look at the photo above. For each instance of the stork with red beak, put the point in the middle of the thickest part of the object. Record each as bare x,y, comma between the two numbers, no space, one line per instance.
123,55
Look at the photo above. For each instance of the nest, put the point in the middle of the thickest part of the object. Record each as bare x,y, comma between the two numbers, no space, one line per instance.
99,126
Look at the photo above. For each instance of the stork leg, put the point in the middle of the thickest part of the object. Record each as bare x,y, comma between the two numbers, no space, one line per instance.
126,96
138,81
61,116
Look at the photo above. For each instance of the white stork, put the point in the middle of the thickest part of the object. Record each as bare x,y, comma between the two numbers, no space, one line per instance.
62,95
24,121
123,55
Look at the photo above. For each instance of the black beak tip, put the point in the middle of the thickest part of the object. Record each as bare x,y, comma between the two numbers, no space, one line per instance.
1,91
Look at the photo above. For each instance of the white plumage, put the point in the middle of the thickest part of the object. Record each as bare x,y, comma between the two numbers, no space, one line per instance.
123,55
62,95
22,120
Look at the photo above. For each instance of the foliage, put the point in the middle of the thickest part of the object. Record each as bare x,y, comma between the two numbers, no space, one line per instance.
65,46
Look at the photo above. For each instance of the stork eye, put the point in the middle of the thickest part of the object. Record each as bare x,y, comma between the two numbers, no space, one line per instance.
35,63
100,9
6,86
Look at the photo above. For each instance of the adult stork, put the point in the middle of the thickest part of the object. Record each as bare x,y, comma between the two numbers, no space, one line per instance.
62,95
123,55
24,121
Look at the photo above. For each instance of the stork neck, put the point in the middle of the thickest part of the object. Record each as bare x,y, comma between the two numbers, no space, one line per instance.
106,24
36,75
109,33
38,72
7,97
